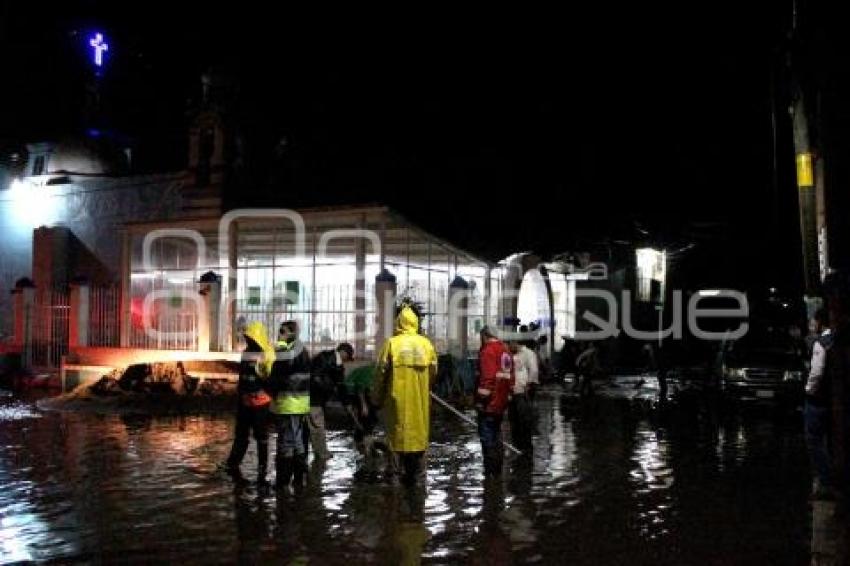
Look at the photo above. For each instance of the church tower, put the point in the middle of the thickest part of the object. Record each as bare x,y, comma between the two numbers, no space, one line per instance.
210,150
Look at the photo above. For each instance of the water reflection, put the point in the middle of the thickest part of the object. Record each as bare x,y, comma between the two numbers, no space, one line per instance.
16,410
652,478
606,484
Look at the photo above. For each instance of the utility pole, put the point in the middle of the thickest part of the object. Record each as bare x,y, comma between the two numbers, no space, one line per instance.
807,194
809,165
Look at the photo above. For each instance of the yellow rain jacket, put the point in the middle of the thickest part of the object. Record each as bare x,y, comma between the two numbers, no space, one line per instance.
256,331
406,365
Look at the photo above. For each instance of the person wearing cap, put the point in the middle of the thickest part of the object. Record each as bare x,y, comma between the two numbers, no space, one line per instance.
492,396
290,383
326,376
407,366
286,335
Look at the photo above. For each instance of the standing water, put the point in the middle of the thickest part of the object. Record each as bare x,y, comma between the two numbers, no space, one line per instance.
608,485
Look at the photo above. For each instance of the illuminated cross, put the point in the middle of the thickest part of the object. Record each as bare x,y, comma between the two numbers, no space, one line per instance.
99,47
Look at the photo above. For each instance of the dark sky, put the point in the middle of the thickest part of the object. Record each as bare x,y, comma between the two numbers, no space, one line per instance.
499,131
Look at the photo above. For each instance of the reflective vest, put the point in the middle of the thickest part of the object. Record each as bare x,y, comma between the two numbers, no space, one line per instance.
291,403
291,376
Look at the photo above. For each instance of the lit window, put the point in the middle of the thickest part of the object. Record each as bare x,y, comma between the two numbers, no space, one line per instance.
651,274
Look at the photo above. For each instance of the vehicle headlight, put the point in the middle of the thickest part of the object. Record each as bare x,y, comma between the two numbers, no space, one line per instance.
736,373
793,376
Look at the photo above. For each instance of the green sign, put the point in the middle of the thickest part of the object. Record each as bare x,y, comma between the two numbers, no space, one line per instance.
287,293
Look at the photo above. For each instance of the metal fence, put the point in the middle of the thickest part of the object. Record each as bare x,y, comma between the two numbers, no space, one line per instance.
104,316
168,324
48,318
171,324
327,317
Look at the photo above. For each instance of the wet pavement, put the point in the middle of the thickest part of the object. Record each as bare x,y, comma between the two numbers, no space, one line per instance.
610,483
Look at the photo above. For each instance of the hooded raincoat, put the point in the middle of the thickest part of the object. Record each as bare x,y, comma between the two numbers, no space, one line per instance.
402,384
264,359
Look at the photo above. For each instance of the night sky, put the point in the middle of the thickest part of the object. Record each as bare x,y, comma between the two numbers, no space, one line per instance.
499,131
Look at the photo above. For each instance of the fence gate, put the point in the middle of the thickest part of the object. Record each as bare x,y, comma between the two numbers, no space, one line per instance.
104,309
48,318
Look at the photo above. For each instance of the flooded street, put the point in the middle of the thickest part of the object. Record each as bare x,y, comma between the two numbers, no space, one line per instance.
611,483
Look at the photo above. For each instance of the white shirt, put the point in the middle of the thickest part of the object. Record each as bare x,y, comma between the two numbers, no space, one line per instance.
525,370
817,367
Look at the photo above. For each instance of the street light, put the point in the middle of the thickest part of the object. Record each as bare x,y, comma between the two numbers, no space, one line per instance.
652,267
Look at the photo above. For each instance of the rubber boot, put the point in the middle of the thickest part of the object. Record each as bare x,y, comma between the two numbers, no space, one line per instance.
493,461
262,463
299,468
234,459
411,463
284,466
234,472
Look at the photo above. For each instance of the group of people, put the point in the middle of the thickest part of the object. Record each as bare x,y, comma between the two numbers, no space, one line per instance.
507,380
280,384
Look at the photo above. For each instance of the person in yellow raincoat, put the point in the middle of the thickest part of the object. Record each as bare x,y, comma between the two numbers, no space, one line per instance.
252,413
407,366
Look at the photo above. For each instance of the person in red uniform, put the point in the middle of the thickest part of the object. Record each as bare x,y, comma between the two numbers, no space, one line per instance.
492,393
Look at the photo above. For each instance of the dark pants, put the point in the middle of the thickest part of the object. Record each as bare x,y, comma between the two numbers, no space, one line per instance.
490,431
584,383
248,420
290,435
521,416
291,459
408,465
817,422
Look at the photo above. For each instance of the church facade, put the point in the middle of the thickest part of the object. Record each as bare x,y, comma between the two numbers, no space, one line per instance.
100,256
77,217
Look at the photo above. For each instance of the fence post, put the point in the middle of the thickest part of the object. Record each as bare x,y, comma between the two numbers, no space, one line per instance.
208,319
78,314
359,293
24,300
124,315
458,319
231,337
385,295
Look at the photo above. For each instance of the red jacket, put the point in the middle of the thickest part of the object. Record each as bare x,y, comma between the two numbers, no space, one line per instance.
496,375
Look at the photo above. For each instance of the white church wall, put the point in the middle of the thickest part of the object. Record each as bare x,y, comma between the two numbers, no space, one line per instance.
93,208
